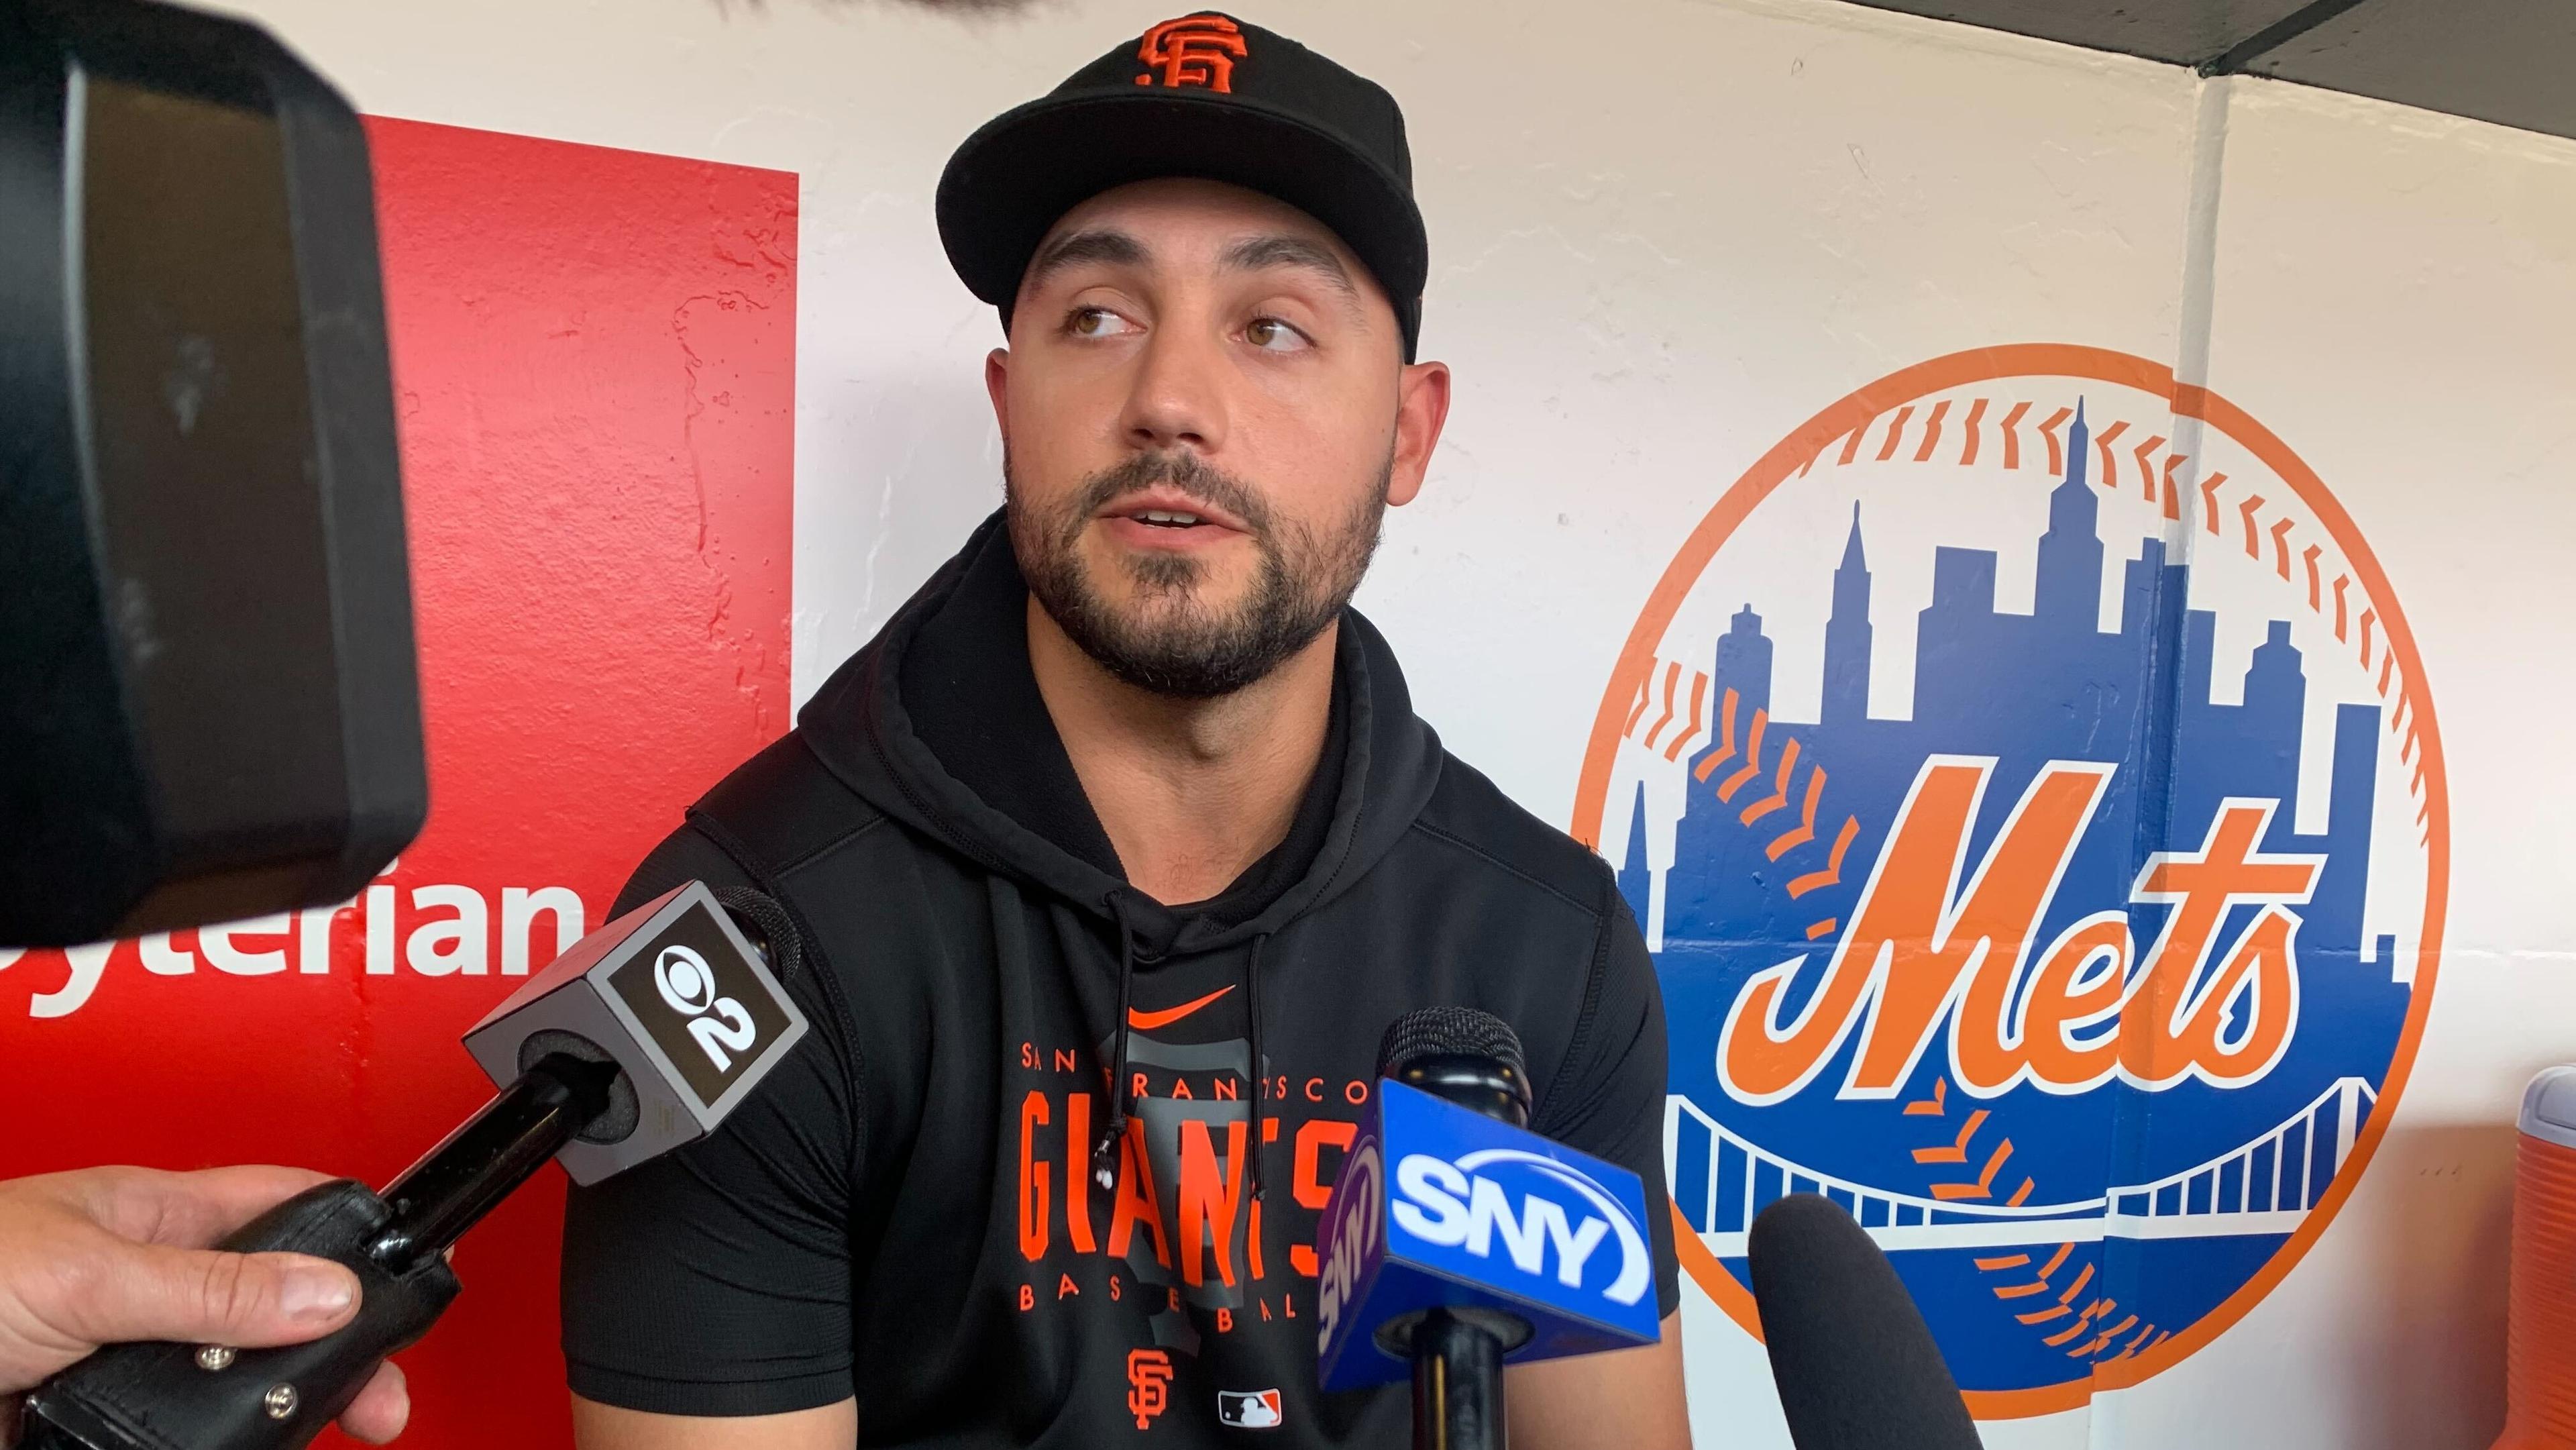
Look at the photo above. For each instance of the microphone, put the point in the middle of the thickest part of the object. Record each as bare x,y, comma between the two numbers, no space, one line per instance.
1457,1241
1855,1363
212,708
639,1038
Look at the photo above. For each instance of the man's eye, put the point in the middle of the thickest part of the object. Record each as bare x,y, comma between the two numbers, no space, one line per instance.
1096,322
1272,335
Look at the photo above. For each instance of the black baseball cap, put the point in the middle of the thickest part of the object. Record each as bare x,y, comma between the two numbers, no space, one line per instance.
1204,95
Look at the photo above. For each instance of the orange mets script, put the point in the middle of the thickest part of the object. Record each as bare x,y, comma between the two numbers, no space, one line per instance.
2067,1017
1196,50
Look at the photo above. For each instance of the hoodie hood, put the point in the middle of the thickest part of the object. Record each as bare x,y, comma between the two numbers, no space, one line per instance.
1013,1106
858,725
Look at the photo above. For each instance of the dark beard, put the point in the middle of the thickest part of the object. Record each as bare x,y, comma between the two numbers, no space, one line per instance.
1305,579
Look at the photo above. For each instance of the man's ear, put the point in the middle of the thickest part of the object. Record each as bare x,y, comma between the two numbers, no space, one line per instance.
997,384
1421,407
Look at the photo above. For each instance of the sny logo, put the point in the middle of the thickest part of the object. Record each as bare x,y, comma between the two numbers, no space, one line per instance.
1354,1239
1195,50
1469,1204
1149,1380
1438,1204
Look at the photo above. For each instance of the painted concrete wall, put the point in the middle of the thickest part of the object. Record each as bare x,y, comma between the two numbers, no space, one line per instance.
1664,236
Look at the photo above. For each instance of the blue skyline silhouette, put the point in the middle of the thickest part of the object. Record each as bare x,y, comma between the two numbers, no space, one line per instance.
2025,689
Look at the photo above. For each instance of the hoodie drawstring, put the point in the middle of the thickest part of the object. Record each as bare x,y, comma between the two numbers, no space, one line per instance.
1260,1068
1104,1154
1122,1088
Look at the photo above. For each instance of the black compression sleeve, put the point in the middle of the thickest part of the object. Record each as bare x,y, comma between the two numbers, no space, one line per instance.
716,1280
1610,1102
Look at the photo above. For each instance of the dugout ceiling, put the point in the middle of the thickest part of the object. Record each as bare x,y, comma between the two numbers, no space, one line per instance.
2507,61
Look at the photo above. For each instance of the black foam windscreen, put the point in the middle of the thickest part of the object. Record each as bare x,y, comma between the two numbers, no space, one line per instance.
765,920
1856,1366
625,1109
209,707
1448,1031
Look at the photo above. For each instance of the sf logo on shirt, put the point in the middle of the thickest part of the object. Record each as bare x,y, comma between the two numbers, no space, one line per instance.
1149,1381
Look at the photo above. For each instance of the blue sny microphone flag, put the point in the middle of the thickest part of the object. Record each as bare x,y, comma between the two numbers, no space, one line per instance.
1438,1206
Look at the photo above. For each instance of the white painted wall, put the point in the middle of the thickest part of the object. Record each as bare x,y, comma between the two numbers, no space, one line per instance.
2398,289
1664,233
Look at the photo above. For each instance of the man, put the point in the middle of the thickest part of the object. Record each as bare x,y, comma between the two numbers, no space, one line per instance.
107,1255
1117,850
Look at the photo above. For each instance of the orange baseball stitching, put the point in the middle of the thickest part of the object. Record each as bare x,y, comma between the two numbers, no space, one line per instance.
2042,1280
1791,756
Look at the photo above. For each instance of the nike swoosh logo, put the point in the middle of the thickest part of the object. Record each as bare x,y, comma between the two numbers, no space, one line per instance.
1148,1021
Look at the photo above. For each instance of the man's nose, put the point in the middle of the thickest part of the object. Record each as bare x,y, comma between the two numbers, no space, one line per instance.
1177,397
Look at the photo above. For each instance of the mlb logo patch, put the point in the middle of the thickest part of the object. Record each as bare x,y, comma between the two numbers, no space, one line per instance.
1248,1409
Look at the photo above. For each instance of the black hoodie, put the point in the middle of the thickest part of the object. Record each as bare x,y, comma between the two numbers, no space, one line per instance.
908,1210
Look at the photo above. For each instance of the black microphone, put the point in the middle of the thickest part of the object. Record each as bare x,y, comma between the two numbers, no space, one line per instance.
212,708
1456,1240
639,1038
1473,1059
1856,1365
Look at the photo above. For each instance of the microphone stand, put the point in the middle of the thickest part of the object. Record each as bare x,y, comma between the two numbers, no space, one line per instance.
1457,1385
485,1160
1458,1354
151,1396
132,1397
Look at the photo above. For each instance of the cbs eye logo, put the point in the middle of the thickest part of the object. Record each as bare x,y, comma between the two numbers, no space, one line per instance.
688,987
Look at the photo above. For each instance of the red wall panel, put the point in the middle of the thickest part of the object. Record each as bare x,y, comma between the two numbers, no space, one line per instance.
594,366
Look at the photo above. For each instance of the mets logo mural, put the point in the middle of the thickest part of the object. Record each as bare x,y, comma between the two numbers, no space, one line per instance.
2028,786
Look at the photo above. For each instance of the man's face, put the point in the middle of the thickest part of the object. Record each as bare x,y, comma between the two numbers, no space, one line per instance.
1205,411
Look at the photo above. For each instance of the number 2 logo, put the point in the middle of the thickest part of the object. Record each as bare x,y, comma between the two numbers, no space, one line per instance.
719,1024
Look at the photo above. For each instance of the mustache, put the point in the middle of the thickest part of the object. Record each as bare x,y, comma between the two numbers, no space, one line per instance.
1185,471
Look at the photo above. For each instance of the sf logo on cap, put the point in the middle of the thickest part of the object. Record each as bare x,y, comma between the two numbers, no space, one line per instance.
688,987
1195,50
